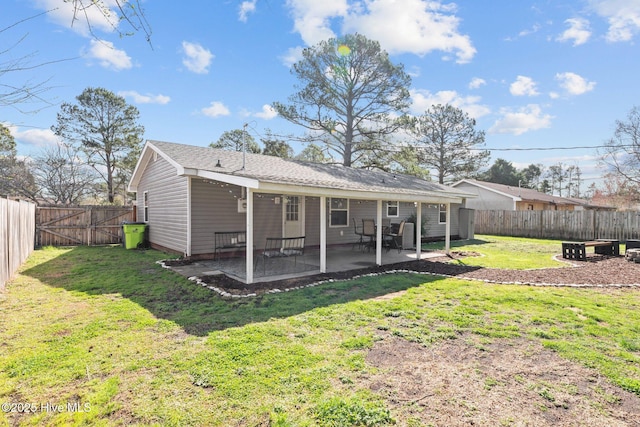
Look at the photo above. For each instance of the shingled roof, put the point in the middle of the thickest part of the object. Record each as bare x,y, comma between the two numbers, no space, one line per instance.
206,162
519,193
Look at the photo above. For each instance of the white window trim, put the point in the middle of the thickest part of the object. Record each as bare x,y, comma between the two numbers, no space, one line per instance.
338,210
396,205
145,206
440,212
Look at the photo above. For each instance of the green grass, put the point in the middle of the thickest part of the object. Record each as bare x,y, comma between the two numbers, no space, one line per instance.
134,343
506,252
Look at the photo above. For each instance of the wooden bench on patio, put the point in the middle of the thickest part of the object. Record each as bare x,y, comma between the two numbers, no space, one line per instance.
282,247
578,250
228,241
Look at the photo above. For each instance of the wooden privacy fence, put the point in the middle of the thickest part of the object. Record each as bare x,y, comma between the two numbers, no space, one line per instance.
81,225
17,226
567,225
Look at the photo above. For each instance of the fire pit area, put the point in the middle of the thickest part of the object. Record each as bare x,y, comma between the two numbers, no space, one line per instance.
633,255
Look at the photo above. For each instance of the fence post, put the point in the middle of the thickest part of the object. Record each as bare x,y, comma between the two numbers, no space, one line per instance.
4,242
17,228
89,223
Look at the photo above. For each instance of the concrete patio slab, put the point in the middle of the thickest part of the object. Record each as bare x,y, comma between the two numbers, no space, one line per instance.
338,259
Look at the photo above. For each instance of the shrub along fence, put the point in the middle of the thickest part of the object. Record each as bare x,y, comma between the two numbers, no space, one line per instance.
17,227
566,225
81,225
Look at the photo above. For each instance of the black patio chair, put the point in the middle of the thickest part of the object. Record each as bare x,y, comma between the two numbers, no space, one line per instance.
358,232
369,230
394,239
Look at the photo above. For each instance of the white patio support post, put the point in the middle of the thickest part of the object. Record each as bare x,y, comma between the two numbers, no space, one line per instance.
323,234
250,246
418,230
447,233
379,234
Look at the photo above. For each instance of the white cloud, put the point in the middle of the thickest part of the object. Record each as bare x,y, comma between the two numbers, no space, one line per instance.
523,120
62,13
108,56
623,17
419,27
532,30
524,33
414,71
267,112
246,7
292,56
145,99
523,86
312,18
197,58
574,84
578,31
476,82
423,99
216,109
34,137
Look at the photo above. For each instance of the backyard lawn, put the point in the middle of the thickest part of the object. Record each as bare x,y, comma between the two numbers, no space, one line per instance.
106,336
506,252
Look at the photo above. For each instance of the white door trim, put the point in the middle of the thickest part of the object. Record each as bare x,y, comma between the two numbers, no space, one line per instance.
301,216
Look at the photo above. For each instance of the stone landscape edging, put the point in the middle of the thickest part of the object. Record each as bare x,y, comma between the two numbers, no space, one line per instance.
228,295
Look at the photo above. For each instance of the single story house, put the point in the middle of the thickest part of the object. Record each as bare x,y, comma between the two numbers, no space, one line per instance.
187,193
492,196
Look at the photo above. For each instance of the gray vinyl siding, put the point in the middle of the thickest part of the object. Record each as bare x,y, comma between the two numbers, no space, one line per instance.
267,218
312,221
167,202
431,213
214,207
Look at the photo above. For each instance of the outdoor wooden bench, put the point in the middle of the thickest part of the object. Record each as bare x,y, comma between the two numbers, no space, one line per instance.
282,247
578,250
228,241
632,243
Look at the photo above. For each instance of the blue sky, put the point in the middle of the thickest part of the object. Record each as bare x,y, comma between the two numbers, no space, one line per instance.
535,74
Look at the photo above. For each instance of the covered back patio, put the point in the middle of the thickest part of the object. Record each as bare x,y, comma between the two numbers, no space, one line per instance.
339,258
326,255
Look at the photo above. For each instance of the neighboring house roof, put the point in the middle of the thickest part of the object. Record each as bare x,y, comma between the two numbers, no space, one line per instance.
519,194
587,204
272,174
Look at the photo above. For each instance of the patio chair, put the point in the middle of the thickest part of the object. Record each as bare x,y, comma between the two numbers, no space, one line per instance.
358,232
394,239
369,230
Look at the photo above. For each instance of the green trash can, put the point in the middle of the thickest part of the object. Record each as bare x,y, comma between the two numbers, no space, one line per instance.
134,235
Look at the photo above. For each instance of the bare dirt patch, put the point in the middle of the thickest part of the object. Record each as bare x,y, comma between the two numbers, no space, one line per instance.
505,382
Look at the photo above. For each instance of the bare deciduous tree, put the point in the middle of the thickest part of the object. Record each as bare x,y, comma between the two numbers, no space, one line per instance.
62,177
622,152
114,13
